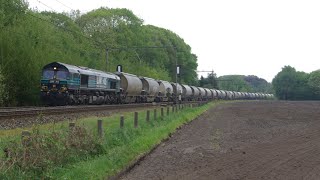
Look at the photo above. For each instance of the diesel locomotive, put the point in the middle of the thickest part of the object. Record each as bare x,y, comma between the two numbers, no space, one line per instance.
65,84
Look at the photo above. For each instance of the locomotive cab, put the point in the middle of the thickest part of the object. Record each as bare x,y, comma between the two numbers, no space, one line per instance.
54,85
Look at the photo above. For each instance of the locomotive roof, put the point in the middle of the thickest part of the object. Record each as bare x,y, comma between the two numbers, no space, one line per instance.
83,70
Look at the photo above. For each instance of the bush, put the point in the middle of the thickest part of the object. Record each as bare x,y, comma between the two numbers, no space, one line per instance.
37,154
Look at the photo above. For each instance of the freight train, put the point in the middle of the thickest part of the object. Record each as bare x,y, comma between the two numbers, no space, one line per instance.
64,84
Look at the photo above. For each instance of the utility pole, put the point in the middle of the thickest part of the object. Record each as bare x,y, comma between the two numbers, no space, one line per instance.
107,61
177,72
212,82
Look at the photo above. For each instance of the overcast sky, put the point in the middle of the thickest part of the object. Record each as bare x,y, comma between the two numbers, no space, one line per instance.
247,37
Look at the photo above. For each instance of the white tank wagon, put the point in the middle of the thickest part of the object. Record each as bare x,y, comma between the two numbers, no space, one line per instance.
177,91
165,91
209,93
195,93
228,95
247,95
203,93
186,92
219,94
235,95
243,95
131,87
216,96
223,94
214,93
238,95
150,89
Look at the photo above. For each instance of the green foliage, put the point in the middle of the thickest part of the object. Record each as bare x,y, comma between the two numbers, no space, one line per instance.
234,83
29,40
209,82
36,155
258,84
314,82
290,84
243,83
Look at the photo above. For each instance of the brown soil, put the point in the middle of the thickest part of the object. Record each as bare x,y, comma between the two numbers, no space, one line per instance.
242,140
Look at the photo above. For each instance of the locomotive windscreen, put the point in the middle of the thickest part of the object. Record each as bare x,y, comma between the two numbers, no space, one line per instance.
51,74
48,74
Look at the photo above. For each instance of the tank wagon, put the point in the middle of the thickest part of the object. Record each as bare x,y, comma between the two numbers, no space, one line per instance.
63,84
165,91
150,89
195,93
187,93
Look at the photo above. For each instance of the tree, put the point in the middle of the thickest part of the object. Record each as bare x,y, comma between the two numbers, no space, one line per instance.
209,82
258,84
314,82
233,83
290,84
284,83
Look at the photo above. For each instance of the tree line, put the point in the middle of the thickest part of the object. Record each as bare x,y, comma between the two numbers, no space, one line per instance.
239,83
30,39
290,84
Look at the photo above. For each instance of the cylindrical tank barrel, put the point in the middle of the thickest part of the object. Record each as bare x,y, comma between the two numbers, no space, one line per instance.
202,92
208,93
195,91
130,84
179,88
229,94
150,86
186,90
223,94
165,87
214,93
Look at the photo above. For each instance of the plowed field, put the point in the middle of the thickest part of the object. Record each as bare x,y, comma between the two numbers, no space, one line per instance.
242,140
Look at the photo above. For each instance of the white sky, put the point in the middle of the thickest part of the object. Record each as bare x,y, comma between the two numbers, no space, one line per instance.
247,37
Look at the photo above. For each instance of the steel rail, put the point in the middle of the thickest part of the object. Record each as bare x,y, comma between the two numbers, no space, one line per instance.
11,113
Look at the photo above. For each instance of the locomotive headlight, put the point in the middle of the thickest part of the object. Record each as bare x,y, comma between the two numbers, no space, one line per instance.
54,68
63,89
53,85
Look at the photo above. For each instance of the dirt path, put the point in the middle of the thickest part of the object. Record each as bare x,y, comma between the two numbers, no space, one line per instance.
243,140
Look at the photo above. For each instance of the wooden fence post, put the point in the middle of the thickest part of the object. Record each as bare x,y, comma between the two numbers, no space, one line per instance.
100,130
162,113
135,119
155,114
148,116
121,121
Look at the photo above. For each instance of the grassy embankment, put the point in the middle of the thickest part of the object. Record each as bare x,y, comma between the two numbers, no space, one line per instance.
117,149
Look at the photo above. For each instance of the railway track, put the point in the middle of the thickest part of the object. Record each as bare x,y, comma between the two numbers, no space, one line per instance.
11,113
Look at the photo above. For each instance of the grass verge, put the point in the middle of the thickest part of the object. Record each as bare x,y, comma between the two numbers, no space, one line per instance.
120,146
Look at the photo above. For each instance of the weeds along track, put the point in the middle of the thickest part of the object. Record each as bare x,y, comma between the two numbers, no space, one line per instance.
11,113
19,117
